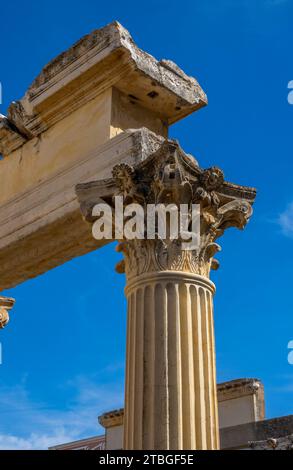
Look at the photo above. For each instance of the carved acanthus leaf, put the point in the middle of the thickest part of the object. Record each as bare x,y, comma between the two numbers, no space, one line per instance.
169,176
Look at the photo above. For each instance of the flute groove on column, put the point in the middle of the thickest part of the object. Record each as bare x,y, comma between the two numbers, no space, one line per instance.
171,389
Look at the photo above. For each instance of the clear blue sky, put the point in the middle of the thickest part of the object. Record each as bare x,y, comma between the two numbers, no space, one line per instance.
64,349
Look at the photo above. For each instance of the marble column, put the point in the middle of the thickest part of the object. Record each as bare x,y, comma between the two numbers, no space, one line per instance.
171,397
170,386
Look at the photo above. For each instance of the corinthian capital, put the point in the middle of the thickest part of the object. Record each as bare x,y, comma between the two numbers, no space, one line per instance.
6,304
169,176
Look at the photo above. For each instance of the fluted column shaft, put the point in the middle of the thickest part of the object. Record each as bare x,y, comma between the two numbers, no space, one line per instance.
170,398
170,394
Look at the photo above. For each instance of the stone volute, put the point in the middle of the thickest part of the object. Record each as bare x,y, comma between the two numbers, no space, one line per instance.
6,304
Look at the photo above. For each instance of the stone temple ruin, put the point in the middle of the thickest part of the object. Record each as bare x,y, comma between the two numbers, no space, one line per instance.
94,124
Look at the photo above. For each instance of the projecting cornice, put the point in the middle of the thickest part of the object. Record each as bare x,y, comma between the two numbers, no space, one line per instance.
239,388
106,58
112,418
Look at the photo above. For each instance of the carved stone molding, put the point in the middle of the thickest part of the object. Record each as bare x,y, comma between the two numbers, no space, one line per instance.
106,58
6,304
239,388
171,176
10,137
112,418
142,256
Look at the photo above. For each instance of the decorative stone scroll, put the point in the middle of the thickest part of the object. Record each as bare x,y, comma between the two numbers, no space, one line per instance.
6,304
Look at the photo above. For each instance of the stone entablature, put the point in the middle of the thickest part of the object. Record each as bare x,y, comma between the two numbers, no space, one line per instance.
108,57
112,418
42,227
239,388
65,130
